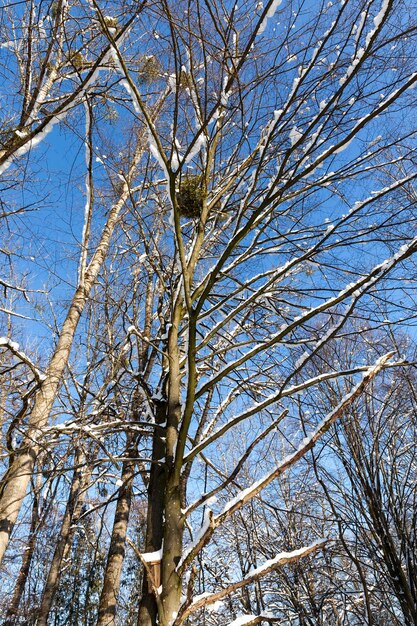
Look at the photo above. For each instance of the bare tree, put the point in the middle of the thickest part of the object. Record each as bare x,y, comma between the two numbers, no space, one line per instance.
371,489
253,201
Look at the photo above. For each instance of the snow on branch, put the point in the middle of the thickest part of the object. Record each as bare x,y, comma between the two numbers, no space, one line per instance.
361,123
32,138
370,38
271,399
7,285
268,13
15,314
251,620
244,496
209,496
307,444
89,193
147,564
199,542
247,620
13,347
355,289
37,136
283,558
129,85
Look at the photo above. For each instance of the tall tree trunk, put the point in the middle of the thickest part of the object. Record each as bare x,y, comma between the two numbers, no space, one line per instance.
155,514
173,526
111,585
80,479
173,533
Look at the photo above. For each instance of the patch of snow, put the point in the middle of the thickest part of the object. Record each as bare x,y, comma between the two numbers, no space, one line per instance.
5,341
295,135
215,607
199,144
151,557
9,45
154,150
270,13
36,140
208,515
243,619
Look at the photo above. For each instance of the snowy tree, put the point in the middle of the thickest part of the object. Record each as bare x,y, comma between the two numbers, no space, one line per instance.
223,191
370,486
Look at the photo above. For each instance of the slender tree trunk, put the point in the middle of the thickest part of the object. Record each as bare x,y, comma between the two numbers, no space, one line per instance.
111,585
12,612
17,477
80,479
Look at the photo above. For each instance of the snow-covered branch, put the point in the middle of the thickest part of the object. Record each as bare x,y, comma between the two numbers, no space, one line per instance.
283,558
214,521
13,347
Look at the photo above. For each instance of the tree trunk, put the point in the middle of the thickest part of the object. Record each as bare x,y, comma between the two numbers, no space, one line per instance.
12,612
171,582
148,611
72,511
173,526
111,585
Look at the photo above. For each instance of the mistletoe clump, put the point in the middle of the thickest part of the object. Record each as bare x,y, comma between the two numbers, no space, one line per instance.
190,196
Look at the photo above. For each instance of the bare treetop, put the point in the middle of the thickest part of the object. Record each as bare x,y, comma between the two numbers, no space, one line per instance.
202,201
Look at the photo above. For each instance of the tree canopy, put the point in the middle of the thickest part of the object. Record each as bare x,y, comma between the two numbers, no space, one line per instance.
207,310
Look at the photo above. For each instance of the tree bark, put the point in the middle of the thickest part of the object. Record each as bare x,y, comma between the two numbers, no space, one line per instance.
13,610
72,511
148,611
173,534
116,555
174,523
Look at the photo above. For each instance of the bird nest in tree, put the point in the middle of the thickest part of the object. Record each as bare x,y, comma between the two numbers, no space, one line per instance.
190,196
